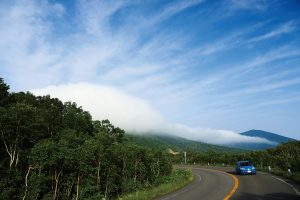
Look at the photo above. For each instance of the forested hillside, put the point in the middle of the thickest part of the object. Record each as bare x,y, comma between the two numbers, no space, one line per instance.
54,150
179,144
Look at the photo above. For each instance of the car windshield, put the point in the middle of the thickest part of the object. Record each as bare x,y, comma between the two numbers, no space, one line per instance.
245,164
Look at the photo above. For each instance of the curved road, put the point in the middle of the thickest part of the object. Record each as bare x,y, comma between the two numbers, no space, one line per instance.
213,183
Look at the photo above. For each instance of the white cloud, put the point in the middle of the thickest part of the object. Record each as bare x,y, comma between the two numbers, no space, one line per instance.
172,9
130,113
283,29
24,49
213,136
94,15
92,51
134,114
264,87
256,5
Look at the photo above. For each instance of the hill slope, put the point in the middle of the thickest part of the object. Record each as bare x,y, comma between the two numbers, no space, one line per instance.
276,138
165,142
268,135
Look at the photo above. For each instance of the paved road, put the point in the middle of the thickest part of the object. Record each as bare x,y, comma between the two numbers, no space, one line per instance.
213,183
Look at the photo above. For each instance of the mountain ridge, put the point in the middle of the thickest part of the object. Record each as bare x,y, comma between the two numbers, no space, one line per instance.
176,143
273,137
267,135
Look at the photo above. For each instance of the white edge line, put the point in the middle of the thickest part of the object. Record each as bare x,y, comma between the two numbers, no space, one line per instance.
295,189
200,179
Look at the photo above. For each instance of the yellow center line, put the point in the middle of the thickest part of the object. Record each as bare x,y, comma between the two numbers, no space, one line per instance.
236,182
236,185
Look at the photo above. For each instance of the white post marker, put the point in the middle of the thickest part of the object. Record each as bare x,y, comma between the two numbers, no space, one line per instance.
185,157
269,167
289,171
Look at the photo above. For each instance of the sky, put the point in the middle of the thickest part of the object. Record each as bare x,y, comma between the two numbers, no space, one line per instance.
205,70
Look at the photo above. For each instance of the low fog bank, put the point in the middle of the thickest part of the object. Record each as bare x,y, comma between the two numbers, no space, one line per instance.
136,115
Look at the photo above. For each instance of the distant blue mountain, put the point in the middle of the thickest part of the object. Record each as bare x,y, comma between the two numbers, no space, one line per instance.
267,135
276,138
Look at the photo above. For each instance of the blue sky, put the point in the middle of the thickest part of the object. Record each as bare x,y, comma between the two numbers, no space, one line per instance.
217,65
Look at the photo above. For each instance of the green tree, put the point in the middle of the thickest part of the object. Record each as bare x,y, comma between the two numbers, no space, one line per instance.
50,115
16,130
3,92
77,119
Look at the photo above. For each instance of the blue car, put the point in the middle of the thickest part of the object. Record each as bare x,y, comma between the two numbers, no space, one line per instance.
245,167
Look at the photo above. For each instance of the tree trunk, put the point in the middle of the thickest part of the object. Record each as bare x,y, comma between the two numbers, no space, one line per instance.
135,172
69,189
11,151
56,178
26,181
106,184
98,173
17,159
77,187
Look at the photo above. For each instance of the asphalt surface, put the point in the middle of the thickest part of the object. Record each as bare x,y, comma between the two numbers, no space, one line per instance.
213,183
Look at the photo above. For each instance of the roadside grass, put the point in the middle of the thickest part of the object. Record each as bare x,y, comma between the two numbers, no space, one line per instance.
295,176
178,179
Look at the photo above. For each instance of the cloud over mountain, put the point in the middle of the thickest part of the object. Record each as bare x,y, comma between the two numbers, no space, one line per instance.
135,114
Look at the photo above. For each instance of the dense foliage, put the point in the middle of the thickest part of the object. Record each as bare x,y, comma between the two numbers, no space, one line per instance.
53,150
283,157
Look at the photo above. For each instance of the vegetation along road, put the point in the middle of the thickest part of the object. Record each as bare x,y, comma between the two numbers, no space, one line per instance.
222,183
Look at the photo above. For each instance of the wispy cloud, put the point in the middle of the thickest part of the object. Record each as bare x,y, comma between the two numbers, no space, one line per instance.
94,16
265,87
258,5
182,62
282,29
240,70
276,102
171,10
25,48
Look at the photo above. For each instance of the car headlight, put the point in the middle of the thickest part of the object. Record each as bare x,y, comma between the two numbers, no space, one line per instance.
242,168
253,167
